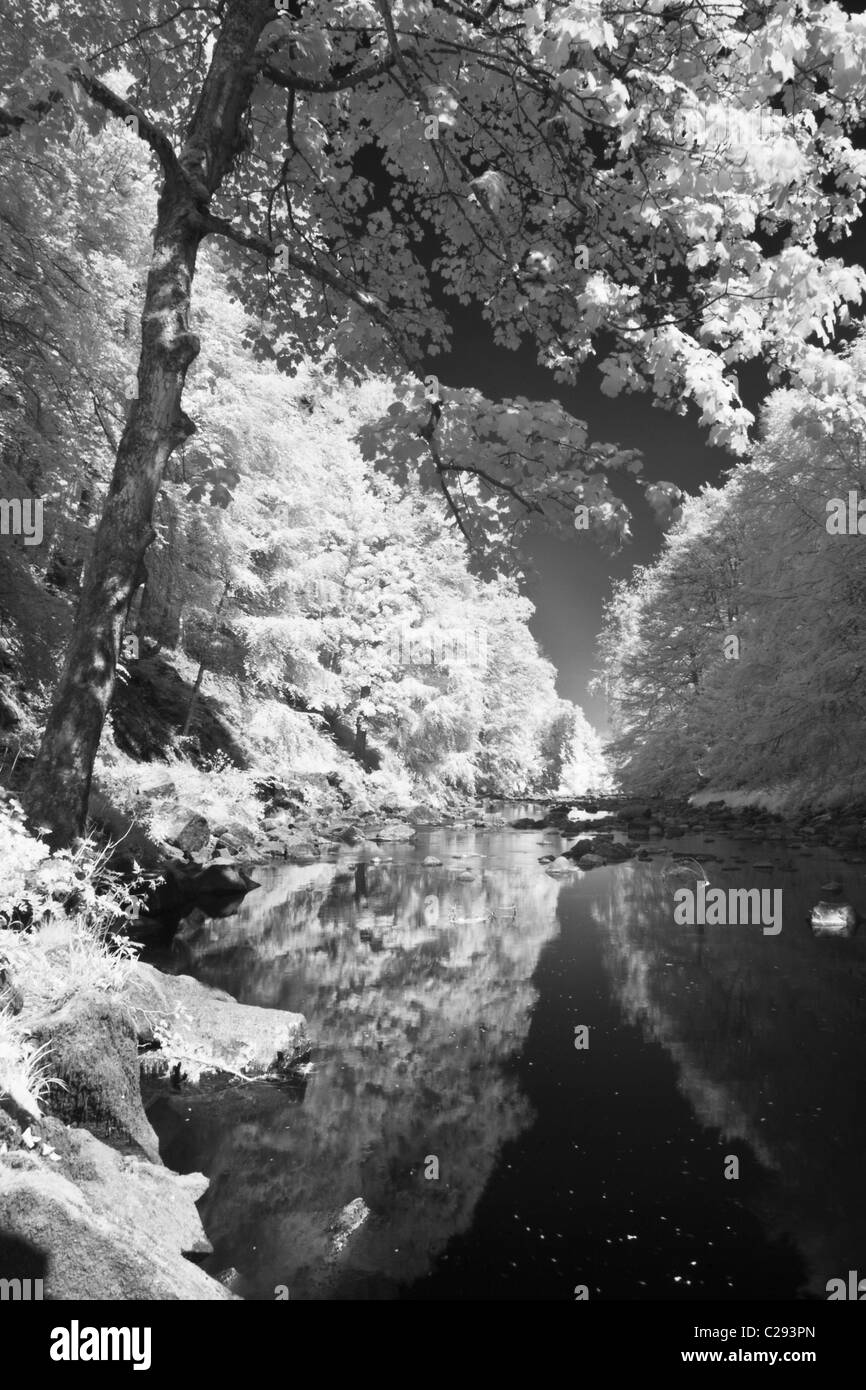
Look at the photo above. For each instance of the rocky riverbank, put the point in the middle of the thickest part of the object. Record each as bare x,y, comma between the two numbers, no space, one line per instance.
86,1204
644,822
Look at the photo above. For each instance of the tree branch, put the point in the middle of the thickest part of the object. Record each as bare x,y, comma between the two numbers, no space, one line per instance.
147,130
293,82
109,101
371,306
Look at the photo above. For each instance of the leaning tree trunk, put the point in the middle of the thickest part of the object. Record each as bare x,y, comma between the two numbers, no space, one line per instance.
59,787
60,782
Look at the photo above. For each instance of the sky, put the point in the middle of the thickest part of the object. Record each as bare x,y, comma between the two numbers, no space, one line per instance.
569,580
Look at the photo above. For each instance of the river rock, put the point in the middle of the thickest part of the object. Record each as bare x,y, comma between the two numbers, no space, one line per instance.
91,1047
833,919
616,852
208,1029
236,835
346,1223
579,848
189,832
431,862
104,1227
393,830
301,851
590,861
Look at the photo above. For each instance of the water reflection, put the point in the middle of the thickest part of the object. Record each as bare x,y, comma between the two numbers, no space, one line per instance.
768,1037
444,1001
419,985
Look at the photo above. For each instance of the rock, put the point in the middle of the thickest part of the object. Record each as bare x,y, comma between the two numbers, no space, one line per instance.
302,851
224,876
352,835
616,852
527,823
209,1030
466,876
279,795
158,791
91,1047
235,835
547,858
184,885
190,832
590,861
833,919
579,848
831,887
346,1223
11,998
104,1227
393,830
431,862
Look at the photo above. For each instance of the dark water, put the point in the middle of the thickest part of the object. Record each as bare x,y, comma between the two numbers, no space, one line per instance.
444,1015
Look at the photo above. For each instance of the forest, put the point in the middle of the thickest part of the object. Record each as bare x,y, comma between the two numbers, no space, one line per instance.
269,559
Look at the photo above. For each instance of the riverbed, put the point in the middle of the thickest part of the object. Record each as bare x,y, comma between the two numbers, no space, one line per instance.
533,1087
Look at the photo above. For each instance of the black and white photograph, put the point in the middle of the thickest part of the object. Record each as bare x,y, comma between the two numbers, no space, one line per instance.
432,670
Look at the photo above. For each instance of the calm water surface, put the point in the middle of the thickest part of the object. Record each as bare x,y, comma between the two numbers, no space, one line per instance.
443,1014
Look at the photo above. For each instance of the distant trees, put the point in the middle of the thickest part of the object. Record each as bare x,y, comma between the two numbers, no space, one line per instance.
738,658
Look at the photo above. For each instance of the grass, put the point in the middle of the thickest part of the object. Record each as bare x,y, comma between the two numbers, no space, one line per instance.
24,1074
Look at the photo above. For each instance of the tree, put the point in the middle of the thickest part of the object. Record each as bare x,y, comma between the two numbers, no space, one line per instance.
737,658
538,153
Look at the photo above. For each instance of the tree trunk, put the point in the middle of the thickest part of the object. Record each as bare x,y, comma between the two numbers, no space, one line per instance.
59,786
202,666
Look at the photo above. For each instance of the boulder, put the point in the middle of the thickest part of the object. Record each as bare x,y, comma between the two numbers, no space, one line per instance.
158,791
393,830
235,835
833,919
431,862
190,832
616,852
208,1030
590,861
300,850
223,876
91,1047
101,1227
579,848
352,835
184,884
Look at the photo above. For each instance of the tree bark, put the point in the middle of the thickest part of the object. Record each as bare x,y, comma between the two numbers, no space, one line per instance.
59,786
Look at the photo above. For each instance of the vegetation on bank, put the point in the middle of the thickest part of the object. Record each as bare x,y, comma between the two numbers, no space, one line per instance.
736,659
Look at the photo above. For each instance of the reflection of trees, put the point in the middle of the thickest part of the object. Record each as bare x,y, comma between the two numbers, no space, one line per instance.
767,1034
415,1010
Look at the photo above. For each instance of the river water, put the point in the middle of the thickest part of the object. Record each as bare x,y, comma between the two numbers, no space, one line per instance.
494,1158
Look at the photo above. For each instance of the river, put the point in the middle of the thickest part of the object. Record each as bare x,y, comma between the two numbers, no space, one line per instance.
495,1157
